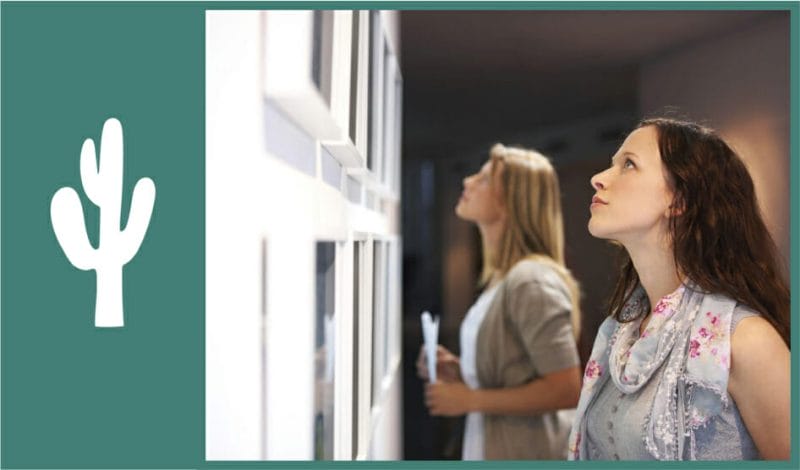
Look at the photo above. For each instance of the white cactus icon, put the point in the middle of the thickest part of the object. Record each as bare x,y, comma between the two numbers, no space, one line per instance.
103,186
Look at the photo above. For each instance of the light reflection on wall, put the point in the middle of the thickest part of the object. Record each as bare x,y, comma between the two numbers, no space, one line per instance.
738,84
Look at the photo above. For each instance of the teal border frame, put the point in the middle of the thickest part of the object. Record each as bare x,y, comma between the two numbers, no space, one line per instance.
792,7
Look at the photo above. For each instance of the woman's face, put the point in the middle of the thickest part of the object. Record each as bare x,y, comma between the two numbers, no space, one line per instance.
632,197
481,200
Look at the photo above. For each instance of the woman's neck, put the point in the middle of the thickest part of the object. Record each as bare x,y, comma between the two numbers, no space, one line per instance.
655,265
491,234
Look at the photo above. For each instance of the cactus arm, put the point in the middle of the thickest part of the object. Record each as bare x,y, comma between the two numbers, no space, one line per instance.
111,163
144,195
66,214
89,174
110,175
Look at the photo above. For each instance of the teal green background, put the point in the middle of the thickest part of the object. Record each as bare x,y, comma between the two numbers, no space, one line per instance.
74,395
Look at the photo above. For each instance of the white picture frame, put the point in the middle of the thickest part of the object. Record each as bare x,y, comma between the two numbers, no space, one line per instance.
308,80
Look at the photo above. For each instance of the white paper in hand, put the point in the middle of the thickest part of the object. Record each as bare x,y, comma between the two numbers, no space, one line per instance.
430,334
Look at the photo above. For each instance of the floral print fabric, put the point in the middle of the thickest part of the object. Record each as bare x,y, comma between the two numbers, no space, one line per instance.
689,335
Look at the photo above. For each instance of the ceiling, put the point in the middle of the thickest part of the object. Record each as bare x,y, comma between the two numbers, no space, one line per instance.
468,73
452,43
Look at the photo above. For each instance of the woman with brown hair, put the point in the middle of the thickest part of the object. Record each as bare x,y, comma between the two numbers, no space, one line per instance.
519,362
693,361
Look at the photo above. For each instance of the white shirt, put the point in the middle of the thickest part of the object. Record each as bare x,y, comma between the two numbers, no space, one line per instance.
473,429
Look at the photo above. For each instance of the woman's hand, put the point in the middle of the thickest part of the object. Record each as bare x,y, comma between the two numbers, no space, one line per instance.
448,398
448,366
422,365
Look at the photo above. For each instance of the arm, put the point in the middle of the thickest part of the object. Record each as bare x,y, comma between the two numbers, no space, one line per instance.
553,391
539,312
759,384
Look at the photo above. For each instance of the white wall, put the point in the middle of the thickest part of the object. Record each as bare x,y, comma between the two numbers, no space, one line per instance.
272,192
233,394
738,84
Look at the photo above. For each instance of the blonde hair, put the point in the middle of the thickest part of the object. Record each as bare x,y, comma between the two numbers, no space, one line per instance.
534,229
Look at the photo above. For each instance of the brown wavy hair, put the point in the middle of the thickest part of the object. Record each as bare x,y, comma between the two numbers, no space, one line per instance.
719,239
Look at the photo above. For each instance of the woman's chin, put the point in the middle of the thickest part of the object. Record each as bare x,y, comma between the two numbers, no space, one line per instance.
596,231
460,212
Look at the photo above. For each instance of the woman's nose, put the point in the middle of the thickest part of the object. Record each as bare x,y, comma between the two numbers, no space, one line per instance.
597,182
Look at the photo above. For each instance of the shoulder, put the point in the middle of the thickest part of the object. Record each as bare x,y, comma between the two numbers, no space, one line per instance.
533,284
754,343
740,312
752,333
531,271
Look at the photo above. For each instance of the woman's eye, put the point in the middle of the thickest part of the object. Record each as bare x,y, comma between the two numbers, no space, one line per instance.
628,163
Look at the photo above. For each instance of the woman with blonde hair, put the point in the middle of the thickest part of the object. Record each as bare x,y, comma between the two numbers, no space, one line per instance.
519,363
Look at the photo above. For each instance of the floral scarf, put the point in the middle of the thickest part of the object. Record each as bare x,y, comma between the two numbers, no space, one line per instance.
688,334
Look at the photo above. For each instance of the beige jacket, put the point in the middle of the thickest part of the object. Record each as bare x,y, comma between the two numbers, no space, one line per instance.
526,334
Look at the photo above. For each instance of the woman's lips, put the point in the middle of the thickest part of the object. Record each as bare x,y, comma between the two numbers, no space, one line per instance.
596,201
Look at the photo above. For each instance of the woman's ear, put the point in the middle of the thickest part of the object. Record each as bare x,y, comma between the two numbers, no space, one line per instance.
677,208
